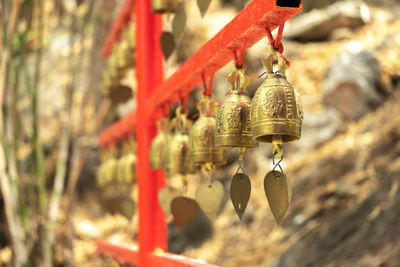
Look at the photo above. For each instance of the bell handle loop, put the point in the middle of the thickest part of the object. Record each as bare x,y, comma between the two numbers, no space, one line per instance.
274,55
244,80
282,65
231,79
208,100
268,63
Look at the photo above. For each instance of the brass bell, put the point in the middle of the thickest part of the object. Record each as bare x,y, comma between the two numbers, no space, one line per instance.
202,136
158,146
233,125
177,153
276,108
164,6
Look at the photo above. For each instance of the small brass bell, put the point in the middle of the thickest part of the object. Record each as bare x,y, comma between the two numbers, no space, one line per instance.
233,125
177,153
276,109
202,136
158,147
164,6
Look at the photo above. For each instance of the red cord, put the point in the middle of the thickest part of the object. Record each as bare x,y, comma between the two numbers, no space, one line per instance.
239,59
207,89
277,43
183,98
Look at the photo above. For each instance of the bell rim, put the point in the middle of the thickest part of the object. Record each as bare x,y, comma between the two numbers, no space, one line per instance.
235,140
214,156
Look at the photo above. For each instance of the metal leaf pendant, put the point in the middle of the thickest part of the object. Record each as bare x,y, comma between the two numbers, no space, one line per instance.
278,191
240,192
209,196
165,196
183,210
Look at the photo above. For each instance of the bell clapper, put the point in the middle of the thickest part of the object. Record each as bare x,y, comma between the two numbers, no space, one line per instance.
184,184
209,168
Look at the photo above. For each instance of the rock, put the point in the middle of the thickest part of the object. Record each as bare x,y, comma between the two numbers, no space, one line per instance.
318,24
352,84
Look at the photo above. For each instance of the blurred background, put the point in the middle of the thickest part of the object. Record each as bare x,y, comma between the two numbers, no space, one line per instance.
58,93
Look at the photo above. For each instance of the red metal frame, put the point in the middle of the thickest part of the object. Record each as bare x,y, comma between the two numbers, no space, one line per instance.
123,19
129,254
249,26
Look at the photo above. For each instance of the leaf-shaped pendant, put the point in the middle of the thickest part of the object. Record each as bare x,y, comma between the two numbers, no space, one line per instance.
240,192
128,207
183,210
278,191
165,196
203,6
167,44
178,24
209,196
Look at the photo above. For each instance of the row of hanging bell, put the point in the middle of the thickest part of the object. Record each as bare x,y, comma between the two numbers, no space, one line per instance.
170,150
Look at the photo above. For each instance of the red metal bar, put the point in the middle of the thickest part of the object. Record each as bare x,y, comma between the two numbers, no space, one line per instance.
123,18
248,27
149,73
128,254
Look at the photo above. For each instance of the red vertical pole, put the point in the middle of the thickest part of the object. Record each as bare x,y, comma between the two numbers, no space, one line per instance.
149,72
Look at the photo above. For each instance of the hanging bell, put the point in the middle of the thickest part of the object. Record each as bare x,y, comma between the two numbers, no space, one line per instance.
164,6
158,146
177,153
233,125
276,109
202,136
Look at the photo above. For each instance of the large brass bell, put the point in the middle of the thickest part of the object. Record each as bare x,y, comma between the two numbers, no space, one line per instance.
177,153
164,6
159,146
202,136
233,125
276,109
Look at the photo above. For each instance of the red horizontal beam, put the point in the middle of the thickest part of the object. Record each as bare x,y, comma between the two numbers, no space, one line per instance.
125,254
248,27
124,128
118,252
122,20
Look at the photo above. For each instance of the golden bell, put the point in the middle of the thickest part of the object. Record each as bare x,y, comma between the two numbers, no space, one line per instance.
158,148
276,109
202,136
233,125
164,6
177,152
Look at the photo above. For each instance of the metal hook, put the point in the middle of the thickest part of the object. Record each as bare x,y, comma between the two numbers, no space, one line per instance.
277,164
241,167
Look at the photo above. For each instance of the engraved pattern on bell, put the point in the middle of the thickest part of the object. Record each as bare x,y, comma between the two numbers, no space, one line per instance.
202,137
276,109
158,148
233,126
